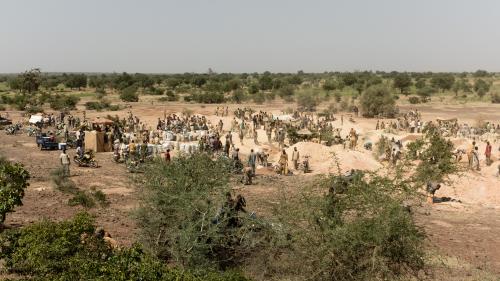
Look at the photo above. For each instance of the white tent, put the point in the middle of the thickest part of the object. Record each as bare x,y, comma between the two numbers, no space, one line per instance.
35,119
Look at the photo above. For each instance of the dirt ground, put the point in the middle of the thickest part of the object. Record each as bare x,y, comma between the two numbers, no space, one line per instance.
462,233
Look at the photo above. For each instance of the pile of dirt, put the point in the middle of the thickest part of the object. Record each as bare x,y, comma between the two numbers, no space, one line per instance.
323,159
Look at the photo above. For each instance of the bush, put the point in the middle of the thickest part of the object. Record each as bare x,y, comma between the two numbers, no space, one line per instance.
378,100
69,250
287,93
307,102
83,199
359,230
101,105
259,97
185,217
238,96
414,100
435,156
62,183
13,181
129,94
495,98
100,197
60,102
207,97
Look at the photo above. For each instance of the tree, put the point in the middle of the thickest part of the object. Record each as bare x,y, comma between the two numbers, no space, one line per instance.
435,156
402,81
307,102
287,93
481,87
76,81
443,81
265,82
30,80
481,73
378,100
185,216
129,94
426,92
420,83
13,181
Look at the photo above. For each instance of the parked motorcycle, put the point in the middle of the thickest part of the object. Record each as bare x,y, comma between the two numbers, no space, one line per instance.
85,162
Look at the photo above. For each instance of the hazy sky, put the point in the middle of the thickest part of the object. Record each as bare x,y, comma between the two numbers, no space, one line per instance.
247,36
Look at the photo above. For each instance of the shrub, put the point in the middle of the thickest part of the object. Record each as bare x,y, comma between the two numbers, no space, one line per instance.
185,216
60,102
259,97
207,97
83,199
101,105
287,93
62,183
435,155
414,100
495,98
129,94
238,96
359,230
69,250
307,102
100,197
378,100
13,181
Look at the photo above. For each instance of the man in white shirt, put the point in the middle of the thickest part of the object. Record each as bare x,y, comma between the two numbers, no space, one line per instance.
65,163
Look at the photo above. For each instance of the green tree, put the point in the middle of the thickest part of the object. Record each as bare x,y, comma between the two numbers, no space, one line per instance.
378,100
307,102
402,81
435,156
481,87
443,81
129,94
13,181
420,83
30,80
185,216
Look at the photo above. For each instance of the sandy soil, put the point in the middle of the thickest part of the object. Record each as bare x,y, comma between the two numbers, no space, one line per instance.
463,231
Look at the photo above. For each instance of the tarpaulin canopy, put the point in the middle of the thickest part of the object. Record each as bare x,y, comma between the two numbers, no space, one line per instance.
35,119
99,121
304,132
287,117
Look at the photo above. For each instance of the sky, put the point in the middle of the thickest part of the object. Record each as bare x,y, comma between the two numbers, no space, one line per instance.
176,36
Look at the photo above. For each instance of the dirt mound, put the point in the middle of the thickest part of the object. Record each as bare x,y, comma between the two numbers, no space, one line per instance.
323,158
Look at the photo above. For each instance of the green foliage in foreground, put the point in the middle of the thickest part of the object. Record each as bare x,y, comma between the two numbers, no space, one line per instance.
185,216
68,250
359,230
13,181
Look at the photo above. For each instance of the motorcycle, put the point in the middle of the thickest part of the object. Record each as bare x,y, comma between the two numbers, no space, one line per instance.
13,129
85,162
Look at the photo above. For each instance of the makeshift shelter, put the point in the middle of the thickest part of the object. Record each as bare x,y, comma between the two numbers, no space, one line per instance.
304,132
95,140
36,119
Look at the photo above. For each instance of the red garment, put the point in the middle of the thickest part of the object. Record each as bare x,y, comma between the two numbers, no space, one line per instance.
488,150
167,156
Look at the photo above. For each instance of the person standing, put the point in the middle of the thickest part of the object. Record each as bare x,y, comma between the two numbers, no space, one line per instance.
65,163
295,158
252,160
487,153
284,163
475,158
167,156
